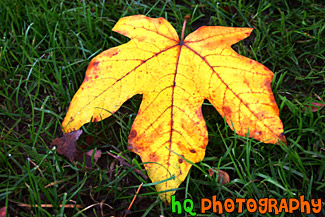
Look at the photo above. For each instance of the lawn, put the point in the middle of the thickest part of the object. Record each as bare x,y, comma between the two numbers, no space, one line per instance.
45,48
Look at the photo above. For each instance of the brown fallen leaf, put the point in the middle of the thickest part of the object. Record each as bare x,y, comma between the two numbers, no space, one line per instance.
316,106
223,176
66,146
97,155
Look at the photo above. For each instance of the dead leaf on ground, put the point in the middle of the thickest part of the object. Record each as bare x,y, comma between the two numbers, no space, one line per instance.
67,146
316,106
175,76
97,155
223,176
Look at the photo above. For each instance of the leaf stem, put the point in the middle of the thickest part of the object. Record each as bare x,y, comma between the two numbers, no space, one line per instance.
186,18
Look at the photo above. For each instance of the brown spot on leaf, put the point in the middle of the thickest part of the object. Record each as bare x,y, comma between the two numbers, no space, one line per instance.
143,38
273,101
153,157
135,149
133,134
192,151
267,85
199,114
180,160
267,82
282,138
184,126
205,142
226,110
112,52
92,65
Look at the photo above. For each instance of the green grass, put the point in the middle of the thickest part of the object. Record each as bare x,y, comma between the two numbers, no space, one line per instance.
45,48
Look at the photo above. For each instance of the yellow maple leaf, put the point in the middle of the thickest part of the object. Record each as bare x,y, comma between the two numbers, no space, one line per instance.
175,76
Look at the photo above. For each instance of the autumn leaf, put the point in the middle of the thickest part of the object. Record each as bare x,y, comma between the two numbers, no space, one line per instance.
223,177
316,106
97,154
175,77
67,146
